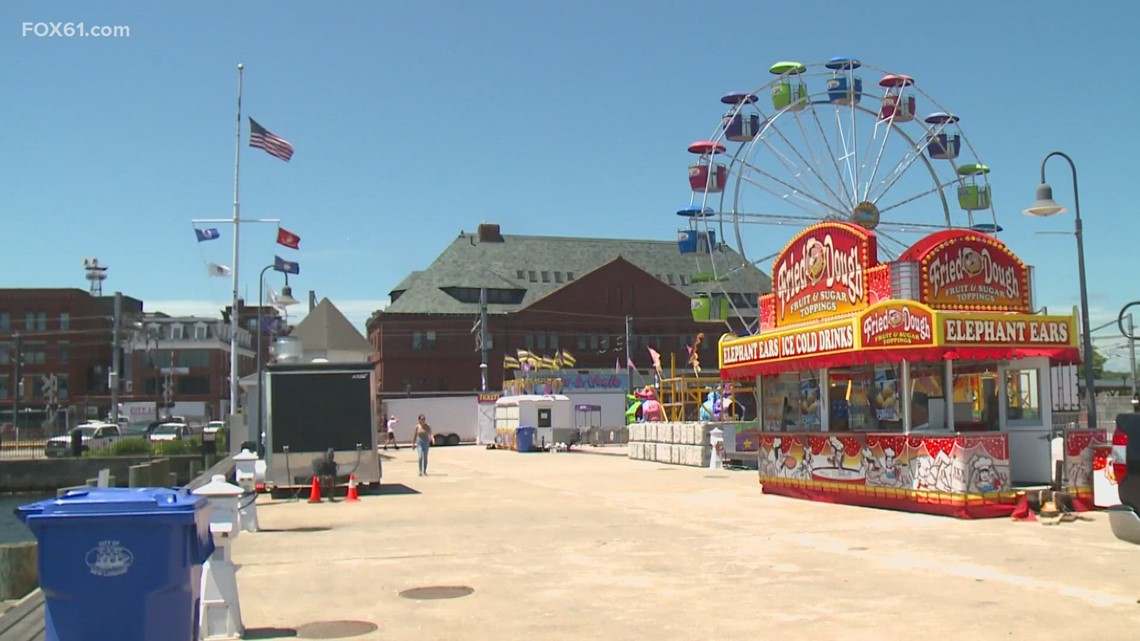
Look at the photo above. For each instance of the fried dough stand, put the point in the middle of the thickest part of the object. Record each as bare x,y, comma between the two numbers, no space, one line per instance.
920,384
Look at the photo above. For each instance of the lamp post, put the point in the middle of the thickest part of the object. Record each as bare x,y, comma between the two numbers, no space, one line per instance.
284,300
1046,206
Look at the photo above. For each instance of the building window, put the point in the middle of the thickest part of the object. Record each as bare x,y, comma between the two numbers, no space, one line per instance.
541,340
558,277
552,340
4,391
528,341
202,331
193,384
35,353
64,352
61,386
546,277
176,331
431,339
417,340
593,340
582,342
64,322
5,350
197,358
569,275
5,322
533,276
520,274
30,321
671,281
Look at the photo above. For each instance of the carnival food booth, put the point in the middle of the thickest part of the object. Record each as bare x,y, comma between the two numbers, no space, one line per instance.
920,384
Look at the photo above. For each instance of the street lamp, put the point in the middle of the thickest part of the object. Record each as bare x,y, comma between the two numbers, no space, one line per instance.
1046,206
284,300
150,334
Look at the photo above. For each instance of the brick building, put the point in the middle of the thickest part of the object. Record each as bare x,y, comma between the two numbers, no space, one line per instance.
545,294
62,332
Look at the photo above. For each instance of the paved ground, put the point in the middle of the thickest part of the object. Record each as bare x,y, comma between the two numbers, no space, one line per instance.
577,546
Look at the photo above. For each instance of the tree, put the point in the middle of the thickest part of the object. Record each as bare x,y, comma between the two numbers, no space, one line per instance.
1098,361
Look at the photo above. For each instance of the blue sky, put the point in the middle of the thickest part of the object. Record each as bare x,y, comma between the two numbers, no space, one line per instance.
413,121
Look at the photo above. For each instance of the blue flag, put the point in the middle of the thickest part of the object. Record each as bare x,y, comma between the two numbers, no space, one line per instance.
288,267
207,234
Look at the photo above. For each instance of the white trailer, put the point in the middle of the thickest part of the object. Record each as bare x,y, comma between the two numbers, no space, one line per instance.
551,415
453,419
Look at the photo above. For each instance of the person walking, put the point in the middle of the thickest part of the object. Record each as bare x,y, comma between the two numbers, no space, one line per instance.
423,443
390,424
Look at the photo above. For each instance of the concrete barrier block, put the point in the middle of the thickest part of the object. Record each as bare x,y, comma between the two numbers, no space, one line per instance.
138,475
703,430
676,454
19,570
705,455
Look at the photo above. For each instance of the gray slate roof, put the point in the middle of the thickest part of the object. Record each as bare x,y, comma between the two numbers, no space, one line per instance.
467,262
326,329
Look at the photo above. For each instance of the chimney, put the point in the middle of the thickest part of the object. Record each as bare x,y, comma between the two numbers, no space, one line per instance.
312,299
489,233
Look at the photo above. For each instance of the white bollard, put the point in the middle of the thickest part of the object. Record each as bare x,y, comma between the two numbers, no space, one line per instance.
716,442
245,471
219,613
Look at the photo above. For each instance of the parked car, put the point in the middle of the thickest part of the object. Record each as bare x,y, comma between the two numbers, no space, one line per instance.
170,432
94,436
213,427
1125,461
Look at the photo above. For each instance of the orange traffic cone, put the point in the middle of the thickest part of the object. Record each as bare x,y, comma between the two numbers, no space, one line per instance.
315,492
353,496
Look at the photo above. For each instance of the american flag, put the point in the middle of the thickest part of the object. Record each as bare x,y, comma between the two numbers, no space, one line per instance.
273,144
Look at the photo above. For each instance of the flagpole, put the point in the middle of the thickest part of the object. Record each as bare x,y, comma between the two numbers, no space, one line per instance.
234,388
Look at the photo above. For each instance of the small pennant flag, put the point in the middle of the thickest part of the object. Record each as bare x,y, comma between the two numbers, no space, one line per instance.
288,239
568,359
546,362
215,269
271,143
629,362
285,266
510,362
656,358
207,234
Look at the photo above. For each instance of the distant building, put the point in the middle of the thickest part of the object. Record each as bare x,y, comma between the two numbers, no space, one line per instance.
326,333
180,365
545,294
65,336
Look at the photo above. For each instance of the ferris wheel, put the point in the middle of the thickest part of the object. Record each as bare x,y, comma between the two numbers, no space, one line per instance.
817,143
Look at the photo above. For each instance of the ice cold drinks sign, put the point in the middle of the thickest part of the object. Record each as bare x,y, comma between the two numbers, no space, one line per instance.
812,342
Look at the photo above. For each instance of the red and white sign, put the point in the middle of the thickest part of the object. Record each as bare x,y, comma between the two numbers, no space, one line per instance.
821,272
988,329
826,339
896,324
967,270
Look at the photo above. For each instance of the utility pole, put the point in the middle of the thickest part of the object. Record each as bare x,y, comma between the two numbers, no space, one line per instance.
628,360
483,348
18,357
113,379
1132,354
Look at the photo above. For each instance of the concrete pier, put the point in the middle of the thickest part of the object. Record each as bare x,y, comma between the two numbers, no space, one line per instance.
576,546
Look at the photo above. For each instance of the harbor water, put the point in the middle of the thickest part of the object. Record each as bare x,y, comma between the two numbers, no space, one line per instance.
11,530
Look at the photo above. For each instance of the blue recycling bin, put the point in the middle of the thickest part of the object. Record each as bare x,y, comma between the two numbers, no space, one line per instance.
119,563
524,438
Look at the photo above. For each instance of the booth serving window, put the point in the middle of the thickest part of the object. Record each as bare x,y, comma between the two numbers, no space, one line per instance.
927,396
1023,396
866,397
975,397
544,417
792,402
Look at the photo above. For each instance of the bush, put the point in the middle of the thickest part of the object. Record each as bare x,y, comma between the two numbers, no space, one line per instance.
127,447
172,448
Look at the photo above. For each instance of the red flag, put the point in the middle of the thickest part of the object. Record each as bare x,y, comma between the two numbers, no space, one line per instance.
288,239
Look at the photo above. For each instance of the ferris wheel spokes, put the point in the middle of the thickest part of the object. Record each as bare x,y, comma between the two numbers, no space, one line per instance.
831,154
771,124
786,196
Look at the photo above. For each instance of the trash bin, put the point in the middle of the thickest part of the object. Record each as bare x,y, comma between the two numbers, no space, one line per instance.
121,563
524,438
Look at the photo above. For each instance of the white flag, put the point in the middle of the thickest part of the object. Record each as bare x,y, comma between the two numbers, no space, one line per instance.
215,269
